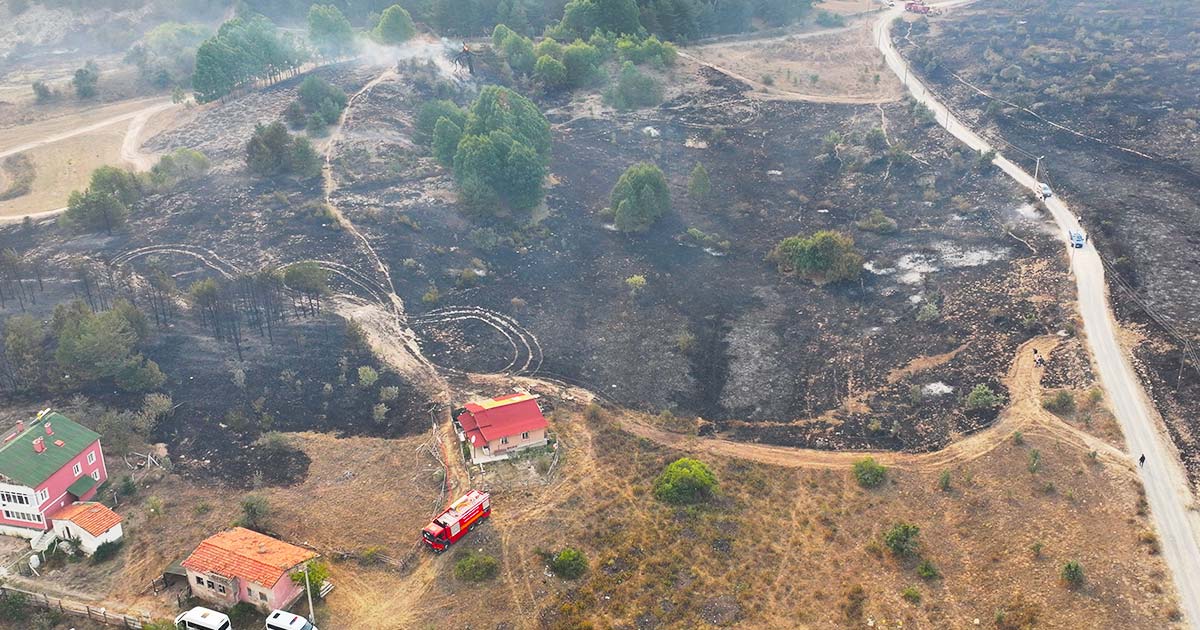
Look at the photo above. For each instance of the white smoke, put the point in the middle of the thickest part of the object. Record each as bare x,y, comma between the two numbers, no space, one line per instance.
421,48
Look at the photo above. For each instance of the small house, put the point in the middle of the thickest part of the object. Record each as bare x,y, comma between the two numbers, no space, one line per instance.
240,565
495,429
46,465
89,524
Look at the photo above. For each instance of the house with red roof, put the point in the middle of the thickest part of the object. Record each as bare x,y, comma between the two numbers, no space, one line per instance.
88,524
241,565
494,429
46,465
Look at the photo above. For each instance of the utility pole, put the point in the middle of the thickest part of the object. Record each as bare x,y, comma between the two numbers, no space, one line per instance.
1037,167
312,616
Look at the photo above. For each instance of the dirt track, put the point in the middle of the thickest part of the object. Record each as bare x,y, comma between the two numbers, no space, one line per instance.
1024,414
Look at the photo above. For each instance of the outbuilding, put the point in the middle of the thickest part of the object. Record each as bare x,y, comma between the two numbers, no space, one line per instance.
90,524
241,565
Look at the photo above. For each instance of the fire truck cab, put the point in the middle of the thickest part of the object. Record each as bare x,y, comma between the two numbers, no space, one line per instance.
458,519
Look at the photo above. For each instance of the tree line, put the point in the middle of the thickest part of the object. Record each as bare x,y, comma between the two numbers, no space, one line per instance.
244,50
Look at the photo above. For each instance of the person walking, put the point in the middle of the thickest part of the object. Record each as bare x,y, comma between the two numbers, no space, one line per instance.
1142,460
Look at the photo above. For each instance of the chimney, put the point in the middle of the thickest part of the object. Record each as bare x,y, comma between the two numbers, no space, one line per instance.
49,429
39,445
20,426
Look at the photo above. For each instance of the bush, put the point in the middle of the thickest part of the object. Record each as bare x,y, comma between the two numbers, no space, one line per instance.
944,481
825,255
982,397
685,481
14,607
475,567
85,80
1061,403
869,473
877,222
272,151
1072,573
929,312
569,564
433,111
901,539
550,72
254,513
636,284
640,197
912,594
926,570
500,162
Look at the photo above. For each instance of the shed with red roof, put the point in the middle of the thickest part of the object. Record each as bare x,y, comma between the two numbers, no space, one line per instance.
89,523
496,428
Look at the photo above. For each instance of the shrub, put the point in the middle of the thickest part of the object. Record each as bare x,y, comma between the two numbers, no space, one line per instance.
106,551
367,376
640,197
825,255
685,481
636,284
982,397
926,570
878,222
634,90
569,564
475,567
550,72
1035,460
929,312
1061,403
1072,573
14,606
912,594
901,539
869,473
699,184
430,113
852,602
944,481
254,513
317,574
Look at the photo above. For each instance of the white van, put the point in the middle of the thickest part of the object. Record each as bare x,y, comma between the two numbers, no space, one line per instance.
200,618
283,620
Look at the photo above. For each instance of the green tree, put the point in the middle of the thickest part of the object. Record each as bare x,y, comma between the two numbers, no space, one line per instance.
825,255
901,539
395,26
307,278
272,151
635,90
582,61
569,563
329,30
640,197
550,72
86,80
501,109
118,182
518,51
94,211
25,349
699,185
317,574
446,136
216,70
685,481
610,16
429,115
180,165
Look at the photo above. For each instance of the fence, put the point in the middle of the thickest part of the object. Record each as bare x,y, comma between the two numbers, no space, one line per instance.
78,609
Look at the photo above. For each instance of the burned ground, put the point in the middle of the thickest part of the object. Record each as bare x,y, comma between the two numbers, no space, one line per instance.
1134,180
721,333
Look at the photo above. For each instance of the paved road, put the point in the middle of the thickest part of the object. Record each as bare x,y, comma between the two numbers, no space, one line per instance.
1167,489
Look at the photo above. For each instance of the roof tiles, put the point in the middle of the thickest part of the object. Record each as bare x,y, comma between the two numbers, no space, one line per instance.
94,518
248,555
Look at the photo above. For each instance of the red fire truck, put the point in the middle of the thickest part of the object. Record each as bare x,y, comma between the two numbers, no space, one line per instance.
458,519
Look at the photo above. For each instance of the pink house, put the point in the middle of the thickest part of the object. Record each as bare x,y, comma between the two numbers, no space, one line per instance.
241,565
46,465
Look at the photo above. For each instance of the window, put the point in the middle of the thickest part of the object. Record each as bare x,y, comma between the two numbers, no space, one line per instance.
23,516
525,435
77,469
504,440
210,585
262,595
221,588
13,497
42,495
96,475
92,457
200,580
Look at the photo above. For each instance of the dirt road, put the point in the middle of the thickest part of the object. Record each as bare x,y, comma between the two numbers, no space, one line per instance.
1167,491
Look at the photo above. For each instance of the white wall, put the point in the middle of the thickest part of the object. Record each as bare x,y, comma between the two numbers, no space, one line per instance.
87,542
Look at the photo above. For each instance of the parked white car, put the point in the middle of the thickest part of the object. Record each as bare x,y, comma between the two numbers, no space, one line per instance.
1046,192
283,620
200,618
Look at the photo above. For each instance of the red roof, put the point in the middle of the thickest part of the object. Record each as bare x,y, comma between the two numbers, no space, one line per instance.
93,518
501,417
247,555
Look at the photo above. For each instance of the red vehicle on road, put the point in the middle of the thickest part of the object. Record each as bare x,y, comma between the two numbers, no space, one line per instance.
458,519
918,7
